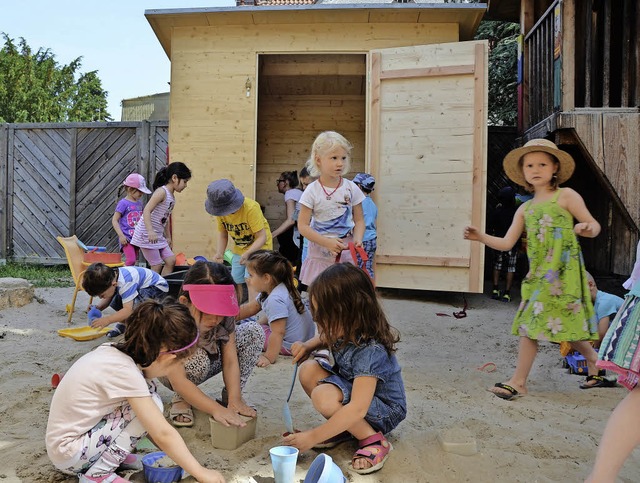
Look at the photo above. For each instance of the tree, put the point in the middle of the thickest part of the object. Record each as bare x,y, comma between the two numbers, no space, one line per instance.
34,87
503,70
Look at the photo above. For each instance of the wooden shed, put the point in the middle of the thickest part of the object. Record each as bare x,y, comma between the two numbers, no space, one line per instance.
251,87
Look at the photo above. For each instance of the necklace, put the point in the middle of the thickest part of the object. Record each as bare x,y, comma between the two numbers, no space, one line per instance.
334,190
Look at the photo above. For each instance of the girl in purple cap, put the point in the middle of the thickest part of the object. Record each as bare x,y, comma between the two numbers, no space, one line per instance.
107,401
210,294
128,213
152,235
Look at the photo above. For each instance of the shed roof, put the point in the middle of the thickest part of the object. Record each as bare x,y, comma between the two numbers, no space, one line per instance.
467,15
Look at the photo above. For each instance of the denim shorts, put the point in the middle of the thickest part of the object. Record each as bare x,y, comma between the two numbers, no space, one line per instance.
381,416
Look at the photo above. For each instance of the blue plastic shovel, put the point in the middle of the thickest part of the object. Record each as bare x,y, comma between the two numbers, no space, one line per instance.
286,412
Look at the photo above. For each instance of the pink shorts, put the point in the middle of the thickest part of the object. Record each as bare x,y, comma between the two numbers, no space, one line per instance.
155,256
267,332
319,259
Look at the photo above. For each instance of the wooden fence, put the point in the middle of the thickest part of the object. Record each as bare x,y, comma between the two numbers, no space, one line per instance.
63,179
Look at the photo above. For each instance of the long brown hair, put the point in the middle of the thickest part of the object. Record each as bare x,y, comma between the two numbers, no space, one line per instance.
154,326
345,306
273,263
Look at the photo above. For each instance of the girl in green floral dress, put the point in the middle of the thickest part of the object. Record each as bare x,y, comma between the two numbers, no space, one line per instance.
556,303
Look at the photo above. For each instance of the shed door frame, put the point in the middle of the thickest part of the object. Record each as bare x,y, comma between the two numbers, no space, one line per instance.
474,262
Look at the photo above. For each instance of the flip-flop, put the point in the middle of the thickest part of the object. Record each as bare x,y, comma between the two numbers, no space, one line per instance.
600,382
513,393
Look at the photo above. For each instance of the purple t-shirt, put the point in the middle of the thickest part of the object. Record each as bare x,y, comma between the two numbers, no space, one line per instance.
130,214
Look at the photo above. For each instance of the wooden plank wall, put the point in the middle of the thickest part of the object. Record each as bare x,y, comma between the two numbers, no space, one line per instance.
287,126
63,179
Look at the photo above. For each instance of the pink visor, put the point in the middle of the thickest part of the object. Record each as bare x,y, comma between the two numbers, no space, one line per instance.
213,299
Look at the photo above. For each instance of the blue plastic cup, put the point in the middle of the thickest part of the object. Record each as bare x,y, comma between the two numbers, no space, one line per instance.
324,470
283,461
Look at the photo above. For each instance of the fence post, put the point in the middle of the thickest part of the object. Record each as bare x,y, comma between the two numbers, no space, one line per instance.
143,146
73,168
4,198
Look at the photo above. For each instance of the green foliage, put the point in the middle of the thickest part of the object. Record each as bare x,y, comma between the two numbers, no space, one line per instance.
36,88
503,70
39,275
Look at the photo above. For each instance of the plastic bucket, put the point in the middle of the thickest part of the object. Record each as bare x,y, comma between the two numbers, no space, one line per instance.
153,474
324,470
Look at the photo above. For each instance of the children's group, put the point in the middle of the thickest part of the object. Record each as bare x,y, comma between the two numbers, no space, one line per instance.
231,315
229,318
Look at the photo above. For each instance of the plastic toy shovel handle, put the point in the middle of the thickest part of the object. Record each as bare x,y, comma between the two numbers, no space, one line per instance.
286,412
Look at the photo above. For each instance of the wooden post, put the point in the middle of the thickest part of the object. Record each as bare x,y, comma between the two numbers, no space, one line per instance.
568,55
11,135
588,51
143,134
526,22
73,165
627,54
4,199
606,61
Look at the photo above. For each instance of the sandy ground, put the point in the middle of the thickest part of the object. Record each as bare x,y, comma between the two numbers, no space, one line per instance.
549,435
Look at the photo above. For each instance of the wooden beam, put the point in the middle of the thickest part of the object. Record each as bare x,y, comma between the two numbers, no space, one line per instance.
73,167
568,55
606,57
428,72
588,41
9,195
425,261
627,54
313,69
4,199
479,152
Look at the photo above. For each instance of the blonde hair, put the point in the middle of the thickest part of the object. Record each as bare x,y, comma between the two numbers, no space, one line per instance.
325,142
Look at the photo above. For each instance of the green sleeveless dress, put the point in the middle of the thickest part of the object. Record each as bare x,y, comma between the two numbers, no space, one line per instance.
556,303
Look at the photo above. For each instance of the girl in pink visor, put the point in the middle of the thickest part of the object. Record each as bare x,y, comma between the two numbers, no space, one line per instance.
211,295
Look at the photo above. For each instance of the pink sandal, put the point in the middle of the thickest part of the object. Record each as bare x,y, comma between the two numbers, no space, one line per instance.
376,449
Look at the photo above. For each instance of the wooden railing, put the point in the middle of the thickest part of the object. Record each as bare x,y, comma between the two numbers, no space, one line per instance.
541,81
582,53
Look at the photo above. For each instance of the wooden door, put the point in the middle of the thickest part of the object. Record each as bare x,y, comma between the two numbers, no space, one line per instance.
427,135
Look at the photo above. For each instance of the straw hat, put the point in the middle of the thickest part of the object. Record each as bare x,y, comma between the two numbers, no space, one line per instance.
513,169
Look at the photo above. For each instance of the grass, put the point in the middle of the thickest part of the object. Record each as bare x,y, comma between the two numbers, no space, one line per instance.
39,275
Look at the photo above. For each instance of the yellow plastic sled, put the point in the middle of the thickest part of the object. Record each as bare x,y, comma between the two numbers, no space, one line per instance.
83,333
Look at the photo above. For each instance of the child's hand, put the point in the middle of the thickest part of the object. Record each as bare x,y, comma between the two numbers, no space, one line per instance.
471,233
243,258
300,352
335,245
153,237
209,476
303,440
123,240
228,417
100,323
584,229
241,407
263,361
218,258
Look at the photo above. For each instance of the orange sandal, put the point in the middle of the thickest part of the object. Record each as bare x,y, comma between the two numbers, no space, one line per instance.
376,449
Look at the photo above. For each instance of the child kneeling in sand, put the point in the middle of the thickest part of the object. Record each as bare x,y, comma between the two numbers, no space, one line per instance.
107,402
121,288
362,394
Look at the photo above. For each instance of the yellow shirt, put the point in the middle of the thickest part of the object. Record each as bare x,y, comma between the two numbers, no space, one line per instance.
244,224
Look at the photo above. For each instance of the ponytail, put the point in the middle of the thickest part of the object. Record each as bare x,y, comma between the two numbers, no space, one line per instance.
166,173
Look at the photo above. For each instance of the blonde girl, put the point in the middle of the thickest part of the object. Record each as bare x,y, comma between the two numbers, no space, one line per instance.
287,318
556,302
107,401
210,294
128,213
153,234
335,203
362,394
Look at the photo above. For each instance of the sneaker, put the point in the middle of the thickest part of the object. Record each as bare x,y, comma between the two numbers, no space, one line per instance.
506,297
116,331
495,294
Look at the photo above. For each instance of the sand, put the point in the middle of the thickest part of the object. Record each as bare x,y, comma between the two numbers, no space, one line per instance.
550,435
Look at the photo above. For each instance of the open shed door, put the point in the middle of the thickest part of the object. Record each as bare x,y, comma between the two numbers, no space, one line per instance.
427,151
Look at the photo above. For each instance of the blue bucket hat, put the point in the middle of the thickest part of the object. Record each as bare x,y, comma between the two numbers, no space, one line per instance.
223,198
365,180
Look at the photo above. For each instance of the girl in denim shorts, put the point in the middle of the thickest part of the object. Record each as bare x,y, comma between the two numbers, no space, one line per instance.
365,378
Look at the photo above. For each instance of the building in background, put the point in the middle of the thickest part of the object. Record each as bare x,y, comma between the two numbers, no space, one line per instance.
146,108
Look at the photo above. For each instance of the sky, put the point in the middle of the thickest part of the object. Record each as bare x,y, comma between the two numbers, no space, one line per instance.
112,37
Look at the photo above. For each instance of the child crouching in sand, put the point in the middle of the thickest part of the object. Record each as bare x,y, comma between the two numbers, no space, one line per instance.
362,394
107,402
